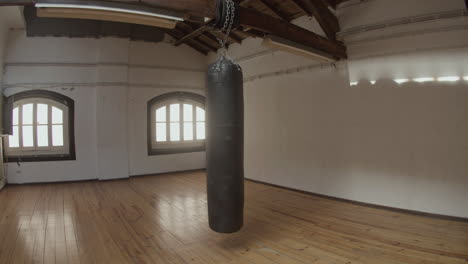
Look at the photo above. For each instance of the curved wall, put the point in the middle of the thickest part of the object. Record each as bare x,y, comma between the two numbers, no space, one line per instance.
110,80
403,146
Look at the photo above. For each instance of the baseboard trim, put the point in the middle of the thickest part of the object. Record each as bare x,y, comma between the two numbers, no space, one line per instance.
383,207
51,182
113,179
167,173
105,180
73,181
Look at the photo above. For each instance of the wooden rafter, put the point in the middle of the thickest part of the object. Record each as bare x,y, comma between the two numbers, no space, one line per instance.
275,10
197,43
318,9
254,33
192,34
334,3
204,8
206,40
324,16
211,39
280,28
290,31
235,37
206,26
212,46
196,46
249,18
302,7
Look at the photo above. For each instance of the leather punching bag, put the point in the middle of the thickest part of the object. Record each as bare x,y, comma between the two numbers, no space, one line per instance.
225,146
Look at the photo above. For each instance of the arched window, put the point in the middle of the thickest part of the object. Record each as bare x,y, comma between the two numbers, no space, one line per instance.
42,127
176,123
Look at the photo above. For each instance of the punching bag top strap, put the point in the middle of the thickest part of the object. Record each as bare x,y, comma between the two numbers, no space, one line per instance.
220,14
227,18
223,15
222,63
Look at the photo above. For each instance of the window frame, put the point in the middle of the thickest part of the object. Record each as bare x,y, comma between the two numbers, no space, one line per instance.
167,147
67,105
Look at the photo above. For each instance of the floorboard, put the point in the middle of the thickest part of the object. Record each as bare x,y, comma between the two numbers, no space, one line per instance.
163,219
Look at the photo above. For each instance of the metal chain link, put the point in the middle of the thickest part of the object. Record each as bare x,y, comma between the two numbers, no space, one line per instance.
226,29
228,23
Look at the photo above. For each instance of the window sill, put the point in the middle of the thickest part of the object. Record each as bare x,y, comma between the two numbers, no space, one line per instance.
38,158
168,151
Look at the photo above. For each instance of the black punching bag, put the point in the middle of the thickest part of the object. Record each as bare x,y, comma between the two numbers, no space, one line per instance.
225,146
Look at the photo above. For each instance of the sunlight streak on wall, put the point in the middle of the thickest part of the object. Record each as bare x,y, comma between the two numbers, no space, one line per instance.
448,79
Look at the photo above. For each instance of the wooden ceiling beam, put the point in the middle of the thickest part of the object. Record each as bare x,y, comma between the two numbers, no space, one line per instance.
210,46
254,33
334,3
196,43
198,47
206,27
209,38
205,8
268,24
194,33
210,43
302,7
191,35
327,20
248,18
234,36
204,30
203,50
275,10
318,9
212,38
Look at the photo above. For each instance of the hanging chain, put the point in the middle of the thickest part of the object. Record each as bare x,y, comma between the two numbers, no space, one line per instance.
228,23
226,30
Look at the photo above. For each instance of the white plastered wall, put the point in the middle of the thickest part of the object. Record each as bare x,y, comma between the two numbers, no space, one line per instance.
184,71
10,18
111,81
3,36
403,146
26,76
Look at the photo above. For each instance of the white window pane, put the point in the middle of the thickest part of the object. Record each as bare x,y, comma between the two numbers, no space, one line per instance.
188,131
27,114
200,114
200,130
15,116
161,114
161,132
175,112
42,115
57,116
13,140
188,112
175,131
57,135
28,136
42,136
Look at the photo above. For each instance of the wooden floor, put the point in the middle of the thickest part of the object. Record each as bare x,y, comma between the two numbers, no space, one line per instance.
163,219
